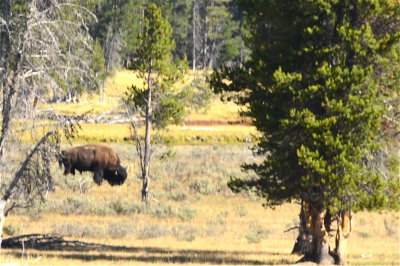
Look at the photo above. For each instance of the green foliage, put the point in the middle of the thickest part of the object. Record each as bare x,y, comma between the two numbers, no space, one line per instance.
98,63
132,13
315,91
153,62
215,24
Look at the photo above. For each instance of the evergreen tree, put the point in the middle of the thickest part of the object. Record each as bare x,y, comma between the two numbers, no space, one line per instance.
99,68
109,30
314,86
131,25
180,23
158,102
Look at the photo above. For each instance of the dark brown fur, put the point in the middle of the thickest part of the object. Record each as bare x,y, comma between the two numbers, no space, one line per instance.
102,160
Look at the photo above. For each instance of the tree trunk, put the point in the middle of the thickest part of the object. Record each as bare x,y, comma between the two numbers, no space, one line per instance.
194,35
313,238
321,239
103,92
343,232
2,218
304,242
147,143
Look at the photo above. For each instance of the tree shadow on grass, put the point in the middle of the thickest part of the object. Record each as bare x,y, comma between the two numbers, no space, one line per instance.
78,250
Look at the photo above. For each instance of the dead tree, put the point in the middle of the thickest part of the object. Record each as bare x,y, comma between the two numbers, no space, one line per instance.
36,52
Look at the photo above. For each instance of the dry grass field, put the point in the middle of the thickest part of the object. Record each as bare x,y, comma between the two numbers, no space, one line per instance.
193,218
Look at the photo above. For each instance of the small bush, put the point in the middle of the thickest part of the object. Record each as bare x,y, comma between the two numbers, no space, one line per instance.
362,221
82,185
119,230
391,227
186,213
256,233
217,226
73,205
364,234
78,230
177,196
125,207
152,231
12,230
240,210
184,232
202,186
163,211
170,185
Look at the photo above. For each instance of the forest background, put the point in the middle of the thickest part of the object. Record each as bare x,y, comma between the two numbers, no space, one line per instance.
207,34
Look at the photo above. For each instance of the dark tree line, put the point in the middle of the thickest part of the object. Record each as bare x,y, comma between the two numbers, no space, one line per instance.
208,33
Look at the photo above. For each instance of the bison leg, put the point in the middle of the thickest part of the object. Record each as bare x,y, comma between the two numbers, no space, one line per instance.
98,176
68,169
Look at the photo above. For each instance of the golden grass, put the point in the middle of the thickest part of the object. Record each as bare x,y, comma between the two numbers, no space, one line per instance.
116,87
375,239
229,248
222,221
216,111
193,135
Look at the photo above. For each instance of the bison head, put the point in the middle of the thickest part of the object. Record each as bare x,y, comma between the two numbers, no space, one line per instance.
117,177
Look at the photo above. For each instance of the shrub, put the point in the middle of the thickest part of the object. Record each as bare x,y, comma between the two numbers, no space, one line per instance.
152,231
217,226
163,211
240,210
119,230
177,196
186,213
82,185
73,205
364,234
12,230
125,207
202,186
256,233
391,227
78,230
184,232
170,185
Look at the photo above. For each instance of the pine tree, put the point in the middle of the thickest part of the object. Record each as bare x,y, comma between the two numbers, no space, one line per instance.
314,86
158,101
98,66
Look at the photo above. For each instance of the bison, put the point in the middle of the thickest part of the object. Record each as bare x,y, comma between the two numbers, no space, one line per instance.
102,160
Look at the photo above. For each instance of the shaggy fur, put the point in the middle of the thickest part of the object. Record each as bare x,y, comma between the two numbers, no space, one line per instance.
102,160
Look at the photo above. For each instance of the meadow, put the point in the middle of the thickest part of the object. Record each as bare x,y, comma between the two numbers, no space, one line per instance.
193,217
